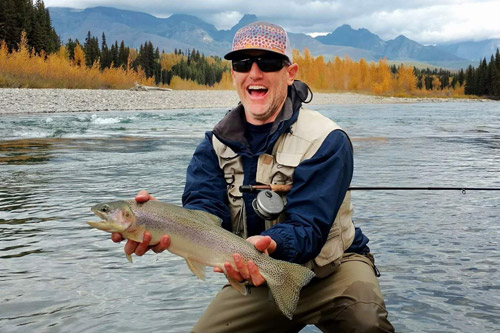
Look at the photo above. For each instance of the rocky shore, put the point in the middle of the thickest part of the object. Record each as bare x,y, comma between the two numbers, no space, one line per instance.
81,100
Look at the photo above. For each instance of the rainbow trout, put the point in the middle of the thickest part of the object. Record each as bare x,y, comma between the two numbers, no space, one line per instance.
198,237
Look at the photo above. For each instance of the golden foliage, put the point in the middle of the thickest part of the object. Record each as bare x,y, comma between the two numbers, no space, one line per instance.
178,83
376,78
21,68
226,83
181,84
168,60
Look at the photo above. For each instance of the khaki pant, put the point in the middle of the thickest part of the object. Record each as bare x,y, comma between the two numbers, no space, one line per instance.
348,300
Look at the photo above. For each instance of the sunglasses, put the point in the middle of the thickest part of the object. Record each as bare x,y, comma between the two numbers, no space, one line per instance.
265,64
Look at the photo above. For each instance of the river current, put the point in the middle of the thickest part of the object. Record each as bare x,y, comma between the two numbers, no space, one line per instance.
438,251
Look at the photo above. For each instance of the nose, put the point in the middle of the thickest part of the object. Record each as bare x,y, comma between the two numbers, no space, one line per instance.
255,71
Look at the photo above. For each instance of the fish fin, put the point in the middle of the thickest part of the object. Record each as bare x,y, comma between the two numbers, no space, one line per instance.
241,287
129,258
285,287
205,216
197,268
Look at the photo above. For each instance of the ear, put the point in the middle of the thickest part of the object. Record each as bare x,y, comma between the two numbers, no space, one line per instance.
232,76
292,72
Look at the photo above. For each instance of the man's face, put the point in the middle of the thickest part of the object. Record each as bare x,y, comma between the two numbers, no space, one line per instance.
263,93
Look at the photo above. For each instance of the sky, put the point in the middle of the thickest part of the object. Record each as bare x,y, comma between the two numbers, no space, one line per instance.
425,21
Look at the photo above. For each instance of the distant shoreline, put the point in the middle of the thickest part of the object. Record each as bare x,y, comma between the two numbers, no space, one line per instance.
18,101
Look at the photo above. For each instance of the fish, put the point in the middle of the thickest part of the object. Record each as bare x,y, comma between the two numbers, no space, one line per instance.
198,237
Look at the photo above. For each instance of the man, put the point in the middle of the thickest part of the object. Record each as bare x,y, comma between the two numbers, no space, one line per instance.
269,139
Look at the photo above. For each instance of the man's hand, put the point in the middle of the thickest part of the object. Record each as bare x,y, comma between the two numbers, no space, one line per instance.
248,270
141,248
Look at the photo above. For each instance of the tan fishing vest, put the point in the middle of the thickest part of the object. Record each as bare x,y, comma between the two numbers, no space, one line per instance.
302,141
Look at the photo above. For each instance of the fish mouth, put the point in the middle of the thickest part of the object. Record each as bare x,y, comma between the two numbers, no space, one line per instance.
104,224
101,225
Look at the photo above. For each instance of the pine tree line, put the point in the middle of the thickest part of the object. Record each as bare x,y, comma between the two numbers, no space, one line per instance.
430,79
33,18
107,57
485,79
191,65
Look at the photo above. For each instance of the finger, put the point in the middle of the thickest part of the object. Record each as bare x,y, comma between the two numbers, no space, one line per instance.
266,244
232,273
116,237
263,243
130,247
162,245
241,266
144,196
143,246
257,278
218,270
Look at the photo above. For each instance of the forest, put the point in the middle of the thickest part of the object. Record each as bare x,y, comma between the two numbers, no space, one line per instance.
31,55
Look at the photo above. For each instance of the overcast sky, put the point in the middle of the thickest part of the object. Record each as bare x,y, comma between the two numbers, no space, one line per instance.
426,21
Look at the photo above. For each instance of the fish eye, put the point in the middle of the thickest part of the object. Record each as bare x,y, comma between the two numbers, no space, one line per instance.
105,209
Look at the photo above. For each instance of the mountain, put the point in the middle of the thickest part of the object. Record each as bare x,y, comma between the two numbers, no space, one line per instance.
360,38
473,50
134,28
400,48
189,32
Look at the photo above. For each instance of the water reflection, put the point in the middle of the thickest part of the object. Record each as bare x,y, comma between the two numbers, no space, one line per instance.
438,252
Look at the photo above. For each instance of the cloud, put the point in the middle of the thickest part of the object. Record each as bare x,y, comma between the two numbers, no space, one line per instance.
426,21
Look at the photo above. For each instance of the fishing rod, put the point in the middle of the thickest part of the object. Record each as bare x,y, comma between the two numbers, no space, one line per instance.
268,204
287,188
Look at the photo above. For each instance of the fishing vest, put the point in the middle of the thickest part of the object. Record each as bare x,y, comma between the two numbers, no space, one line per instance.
300,143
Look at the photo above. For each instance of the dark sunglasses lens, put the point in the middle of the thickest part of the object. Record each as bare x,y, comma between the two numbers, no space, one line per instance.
265,64
270,65
242,66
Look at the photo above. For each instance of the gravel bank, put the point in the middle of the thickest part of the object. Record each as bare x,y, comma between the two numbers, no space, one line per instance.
78,100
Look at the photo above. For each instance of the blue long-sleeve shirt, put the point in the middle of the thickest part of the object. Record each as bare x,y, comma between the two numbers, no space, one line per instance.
320,184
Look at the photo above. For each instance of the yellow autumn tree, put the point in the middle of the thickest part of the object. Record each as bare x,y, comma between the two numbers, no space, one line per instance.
382,80
406,82
169,60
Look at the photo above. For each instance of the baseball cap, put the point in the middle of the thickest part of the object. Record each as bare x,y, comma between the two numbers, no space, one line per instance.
261,36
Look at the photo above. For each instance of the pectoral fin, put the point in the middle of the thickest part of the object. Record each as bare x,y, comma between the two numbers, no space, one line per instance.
241,287
197,268
129,258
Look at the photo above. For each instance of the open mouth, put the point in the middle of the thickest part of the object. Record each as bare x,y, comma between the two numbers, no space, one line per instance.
102,225
257,90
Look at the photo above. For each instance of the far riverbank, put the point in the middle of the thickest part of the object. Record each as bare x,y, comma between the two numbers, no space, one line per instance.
14,100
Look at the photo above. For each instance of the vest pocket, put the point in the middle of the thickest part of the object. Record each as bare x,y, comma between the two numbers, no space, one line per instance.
333,247
283,169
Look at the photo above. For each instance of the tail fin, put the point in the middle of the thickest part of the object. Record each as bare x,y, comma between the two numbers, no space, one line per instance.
285,287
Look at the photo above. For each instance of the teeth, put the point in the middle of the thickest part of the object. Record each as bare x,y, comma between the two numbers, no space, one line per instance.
257,88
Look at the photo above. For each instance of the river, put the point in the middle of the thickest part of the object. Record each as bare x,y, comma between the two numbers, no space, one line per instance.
438,251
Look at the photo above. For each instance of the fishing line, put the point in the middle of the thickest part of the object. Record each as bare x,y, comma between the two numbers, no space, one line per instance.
287,188
417,188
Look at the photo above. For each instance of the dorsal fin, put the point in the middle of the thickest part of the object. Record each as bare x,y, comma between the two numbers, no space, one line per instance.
205,216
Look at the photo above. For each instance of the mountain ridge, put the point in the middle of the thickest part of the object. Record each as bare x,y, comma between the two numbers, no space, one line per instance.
182,31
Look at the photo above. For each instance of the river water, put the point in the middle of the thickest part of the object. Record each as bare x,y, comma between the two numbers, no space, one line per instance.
438,251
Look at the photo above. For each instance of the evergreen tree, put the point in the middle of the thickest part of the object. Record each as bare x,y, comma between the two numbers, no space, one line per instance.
461,77
70,46
22,15
470,81
114,55
482,78
105,56
91,50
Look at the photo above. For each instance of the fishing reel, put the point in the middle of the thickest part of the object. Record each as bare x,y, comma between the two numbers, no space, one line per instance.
268,204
